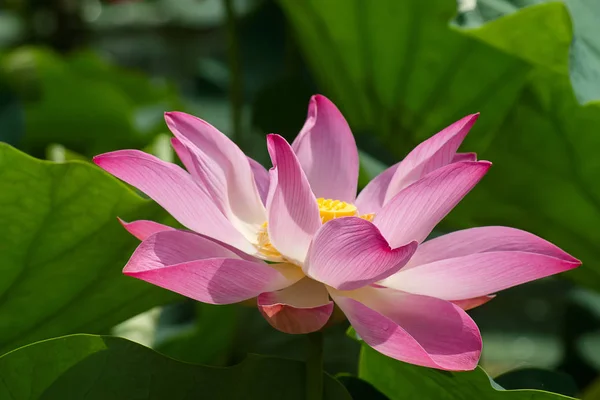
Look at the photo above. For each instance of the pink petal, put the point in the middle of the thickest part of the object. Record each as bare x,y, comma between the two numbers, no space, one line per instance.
223,169
348,253
175,247
327,151
437,151
143,229
372,197
303,307
175,191
477,274
203,270
458,157
416,329
416,210
481,240
468,304
291,206
261,178
184,155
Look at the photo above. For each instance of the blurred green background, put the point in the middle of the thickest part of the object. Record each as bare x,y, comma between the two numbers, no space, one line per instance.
78,78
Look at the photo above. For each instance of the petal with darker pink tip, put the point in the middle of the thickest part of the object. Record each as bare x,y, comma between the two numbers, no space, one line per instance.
458,157
484,239
435,152
203,270
143,229
303,307
372,197
175,190
477,274
293,213
222,168
348,253
327,151
416,210
416,329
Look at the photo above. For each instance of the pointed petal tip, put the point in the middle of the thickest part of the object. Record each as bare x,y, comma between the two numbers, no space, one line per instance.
172,118
171,114
275,142
572,262
484,164
101,159
318,97
168,115
320,100
143,229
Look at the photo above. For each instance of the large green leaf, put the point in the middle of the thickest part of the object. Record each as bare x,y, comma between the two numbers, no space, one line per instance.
96,367
583,61
397,68
402,381
400,73
540,34
63,250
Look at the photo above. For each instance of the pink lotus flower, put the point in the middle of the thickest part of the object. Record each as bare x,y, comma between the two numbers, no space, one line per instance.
404,297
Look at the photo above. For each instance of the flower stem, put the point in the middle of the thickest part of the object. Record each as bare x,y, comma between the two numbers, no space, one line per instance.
314,366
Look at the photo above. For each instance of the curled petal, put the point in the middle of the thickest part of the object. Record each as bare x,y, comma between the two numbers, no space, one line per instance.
222,168
143,229
416,210
202,269
348,253
327,151
303,307
176,191
293,213
477,274
435,152
416,329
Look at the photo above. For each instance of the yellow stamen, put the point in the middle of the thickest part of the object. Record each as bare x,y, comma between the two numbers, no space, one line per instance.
264,244
368,217
330,209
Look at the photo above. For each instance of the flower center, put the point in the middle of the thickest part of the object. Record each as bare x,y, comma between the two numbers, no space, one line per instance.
330,209
265,247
